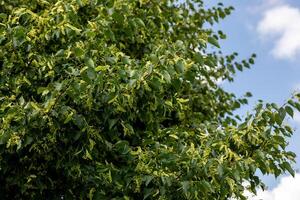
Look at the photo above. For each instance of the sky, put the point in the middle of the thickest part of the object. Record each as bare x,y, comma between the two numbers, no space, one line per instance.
271,29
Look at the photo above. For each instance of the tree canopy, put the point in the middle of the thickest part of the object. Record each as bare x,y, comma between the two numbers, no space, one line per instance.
118,99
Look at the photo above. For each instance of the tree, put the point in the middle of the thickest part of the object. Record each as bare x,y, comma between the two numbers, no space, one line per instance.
114,99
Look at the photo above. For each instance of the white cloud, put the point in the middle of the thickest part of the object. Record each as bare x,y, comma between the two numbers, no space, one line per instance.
281,23
288,189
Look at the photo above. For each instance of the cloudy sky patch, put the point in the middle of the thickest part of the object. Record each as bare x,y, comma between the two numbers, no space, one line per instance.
287,189
281,26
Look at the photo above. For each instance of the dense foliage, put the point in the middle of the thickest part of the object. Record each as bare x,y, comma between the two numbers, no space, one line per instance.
118,99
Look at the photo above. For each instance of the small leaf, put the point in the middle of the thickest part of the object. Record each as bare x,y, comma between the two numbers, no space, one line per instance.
185,186
28,140
122,147
91,193
58,86
179,44
198,58
77,135
248,94
35,106
118,17
289,110
91,74
147,179
140,22
49,104
78,52
297,106
166,76
87,155
90,63
206,186
154,59
181,100
79,121
213,41
60,52
79,2
291,102
251,61
279,117
3,16
288,167
169,103
179,67
174,136
147,192
69,117
220,170
282,113
101,68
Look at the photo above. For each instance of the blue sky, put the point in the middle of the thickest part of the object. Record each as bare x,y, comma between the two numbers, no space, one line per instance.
271,29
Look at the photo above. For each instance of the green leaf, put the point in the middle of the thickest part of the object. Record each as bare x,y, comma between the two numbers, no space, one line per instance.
2,38
49,104
140,22
154,59
169,103
279,117
199,58
213,41
148,192
91,193
79,121
174,136
77,135
289,110
220,170
90,63
206,186
69,117
28,140
122,147
179,44
297,106
118,17
35,106
58,86
101,68
166,76
251,61
288,167
78,52
60,52
185,185
87,155
3,16
248,94
148,179
179,66
91,74
79,2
